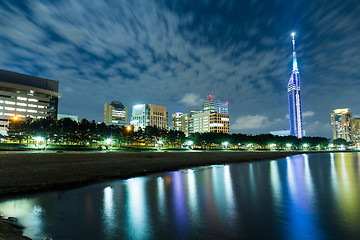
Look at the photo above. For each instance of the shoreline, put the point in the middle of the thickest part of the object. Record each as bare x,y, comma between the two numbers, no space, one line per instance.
33,172
26,173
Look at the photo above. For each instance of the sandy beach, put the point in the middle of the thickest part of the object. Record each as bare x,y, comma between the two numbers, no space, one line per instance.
34,172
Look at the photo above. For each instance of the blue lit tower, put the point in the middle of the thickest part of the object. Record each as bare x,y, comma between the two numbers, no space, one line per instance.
295,114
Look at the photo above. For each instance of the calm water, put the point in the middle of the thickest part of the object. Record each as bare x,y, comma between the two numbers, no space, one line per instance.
302,197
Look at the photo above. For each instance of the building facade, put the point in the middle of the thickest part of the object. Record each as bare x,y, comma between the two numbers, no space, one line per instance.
180,122
341,124
209,121
355,130
24,96
115,113
217,106
144,115
295,109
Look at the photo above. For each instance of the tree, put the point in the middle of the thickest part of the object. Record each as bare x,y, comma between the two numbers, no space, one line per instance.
340,141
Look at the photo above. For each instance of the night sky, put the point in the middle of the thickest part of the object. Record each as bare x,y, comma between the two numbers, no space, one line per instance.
174,53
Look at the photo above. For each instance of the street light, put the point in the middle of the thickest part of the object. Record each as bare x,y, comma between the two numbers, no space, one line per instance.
226,144
305,145
38,139
272,145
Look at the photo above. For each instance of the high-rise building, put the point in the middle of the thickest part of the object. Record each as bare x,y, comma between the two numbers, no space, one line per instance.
115,113
355,130
295,112
191,120
213,118
209,121
217,106
180,122
341,124
144,115
24,96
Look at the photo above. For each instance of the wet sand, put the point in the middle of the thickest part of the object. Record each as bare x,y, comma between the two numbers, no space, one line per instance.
33,172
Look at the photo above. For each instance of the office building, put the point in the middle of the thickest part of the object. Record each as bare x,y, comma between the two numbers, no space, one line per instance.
144,115
191,120
115,113
24,96
341,124
355,130
217,106
295,111
180,122
209,121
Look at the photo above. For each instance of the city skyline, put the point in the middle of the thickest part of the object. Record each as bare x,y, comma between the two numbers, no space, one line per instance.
175,52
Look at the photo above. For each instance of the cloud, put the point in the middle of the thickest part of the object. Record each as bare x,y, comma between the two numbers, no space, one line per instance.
251,122
308,114
192,100
172,52
304,114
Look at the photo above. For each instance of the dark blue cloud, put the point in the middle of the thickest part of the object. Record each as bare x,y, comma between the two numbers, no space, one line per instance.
174,53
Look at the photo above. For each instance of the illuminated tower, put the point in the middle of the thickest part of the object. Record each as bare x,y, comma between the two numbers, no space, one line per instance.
295,114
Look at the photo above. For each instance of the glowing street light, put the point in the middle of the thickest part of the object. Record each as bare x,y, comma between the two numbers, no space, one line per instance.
288,145
128,128
108,141
305,145
189,143
38,139
226,144
272,145
15,118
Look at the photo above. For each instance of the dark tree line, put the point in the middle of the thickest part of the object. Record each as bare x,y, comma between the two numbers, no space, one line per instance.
67,131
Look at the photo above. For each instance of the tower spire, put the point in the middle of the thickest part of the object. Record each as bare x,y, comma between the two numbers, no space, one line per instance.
295,112
294,53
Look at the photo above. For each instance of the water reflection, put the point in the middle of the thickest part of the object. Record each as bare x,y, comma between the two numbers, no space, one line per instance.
300,197
136,207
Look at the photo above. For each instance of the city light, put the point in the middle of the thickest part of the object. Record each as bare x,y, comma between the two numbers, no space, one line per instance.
288,145
128,128
305,145
226,144
39,139
15,118
272,145
293,34
189,143
108,141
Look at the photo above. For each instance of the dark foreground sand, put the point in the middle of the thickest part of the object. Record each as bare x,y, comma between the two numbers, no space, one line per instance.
33,172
